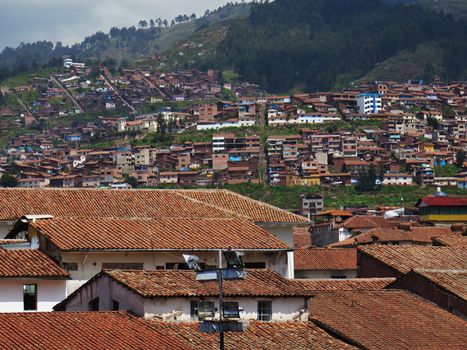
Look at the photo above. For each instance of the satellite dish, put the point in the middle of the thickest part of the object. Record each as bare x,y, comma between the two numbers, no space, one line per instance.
192,262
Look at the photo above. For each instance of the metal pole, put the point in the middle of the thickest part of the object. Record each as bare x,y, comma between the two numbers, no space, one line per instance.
221,302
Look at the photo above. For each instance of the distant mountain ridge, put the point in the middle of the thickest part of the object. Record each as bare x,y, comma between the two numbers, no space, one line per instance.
119,44
289,45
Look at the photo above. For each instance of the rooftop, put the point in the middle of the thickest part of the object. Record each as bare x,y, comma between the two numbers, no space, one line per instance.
405,258
388,319
84,331
29,264
316,285
259,336
453,281
442,201
152,234
366,221
158,204
451,241
161,283
415,234
325,259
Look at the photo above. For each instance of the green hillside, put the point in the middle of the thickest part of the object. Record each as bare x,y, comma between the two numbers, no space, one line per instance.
322,45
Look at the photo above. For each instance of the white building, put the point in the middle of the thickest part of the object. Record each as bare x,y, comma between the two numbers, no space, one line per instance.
86,246
30,281
369,103
398,179
177,295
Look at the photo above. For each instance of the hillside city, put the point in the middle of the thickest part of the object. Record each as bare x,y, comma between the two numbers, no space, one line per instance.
163,204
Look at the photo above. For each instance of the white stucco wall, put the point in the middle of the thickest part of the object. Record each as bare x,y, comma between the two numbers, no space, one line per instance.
324,274
89,264
49,293
174,309
178,309
106,290
283,232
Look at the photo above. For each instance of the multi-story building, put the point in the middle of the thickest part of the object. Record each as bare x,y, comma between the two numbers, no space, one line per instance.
368,103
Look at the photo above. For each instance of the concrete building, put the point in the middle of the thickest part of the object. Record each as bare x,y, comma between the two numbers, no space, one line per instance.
369,103
30,281
176,295
311,204
86,246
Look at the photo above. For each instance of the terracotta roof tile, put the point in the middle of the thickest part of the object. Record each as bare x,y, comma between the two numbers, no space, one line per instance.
86,203
386,235
84,331
28,263
92,203
314,285
366,221
259,336
256,210
454,281
149,234
443,201
451,241
258,283
405,258
388,319
325,259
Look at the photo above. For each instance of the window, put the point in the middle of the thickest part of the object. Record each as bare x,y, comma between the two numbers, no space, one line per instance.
206,309
264,310
94,304
122,266
194,309
70,266
115,305
230,309
30,297
255,265
339,277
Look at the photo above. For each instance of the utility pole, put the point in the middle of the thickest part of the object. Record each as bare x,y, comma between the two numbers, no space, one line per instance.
234,271
221,302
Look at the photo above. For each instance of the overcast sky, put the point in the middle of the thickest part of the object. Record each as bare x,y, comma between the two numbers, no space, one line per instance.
70,21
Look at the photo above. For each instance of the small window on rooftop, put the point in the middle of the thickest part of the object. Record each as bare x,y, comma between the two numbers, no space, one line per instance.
115,305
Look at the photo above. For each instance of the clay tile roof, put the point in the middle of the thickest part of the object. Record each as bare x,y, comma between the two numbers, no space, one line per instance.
259,336
454,281
325,259
451,241
366,221
150,234
84,331
12,241
443,201
28,263
161,283
405,258
314,285
386,235
387,320
75,203
256,210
